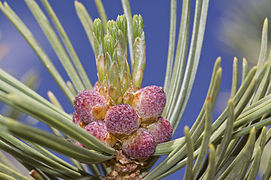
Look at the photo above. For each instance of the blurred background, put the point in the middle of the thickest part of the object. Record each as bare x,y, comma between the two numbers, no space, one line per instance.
232,30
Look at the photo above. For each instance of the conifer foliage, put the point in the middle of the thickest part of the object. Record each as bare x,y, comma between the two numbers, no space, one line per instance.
119,129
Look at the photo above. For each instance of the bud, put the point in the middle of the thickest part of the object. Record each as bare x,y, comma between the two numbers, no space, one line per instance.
112,29
122,31
138,26
98,32
149,103
139,47
109,47
99,130
122,25
160,130
121,120
90,105
140,145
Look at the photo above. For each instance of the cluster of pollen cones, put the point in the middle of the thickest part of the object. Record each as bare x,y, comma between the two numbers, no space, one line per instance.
133,128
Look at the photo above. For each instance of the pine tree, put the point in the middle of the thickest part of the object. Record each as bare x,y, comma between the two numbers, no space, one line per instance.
119,129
